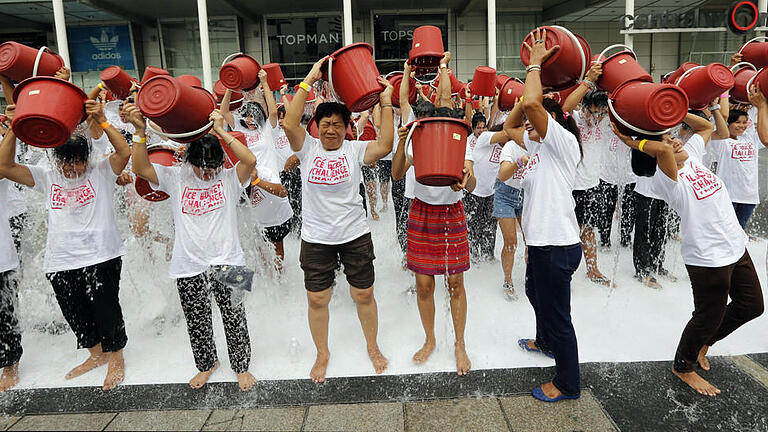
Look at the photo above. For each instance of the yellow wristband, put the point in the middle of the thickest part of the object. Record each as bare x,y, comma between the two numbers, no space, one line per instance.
304,86
642,143
105,125
101,85
256,182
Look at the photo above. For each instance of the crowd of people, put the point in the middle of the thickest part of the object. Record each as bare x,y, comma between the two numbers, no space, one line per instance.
550,173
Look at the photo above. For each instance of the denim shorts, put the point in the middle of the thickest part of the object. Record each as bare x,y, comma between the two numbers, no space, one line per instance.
507,201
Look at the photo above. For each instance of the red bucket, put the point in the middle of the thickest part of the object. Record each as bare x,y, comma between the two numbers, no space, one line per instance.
358,87
620,68
426,49
648,108
396,78
48,110
562,95
161,156
231,160
500,80
235,100
180,110
742,78
190,80
117,81
151,72
240,73
17,61
312,130
439,145
509,93
674,76
483,82
755,52
275,78
456,85
703,84
566,66
761,78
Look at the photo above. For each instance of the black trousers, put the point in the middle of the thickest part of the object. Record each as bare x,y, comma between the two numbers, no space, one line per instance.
10,332
651,221
713,317
195,294
610,197
89,300
402,206
291,180
481,226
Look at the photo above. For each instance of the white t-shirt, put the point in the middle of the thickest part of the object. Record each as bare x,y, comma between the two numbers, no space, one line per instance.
737,165
712,236
8,258
643,186
549,218
588,169
260,141
282,146
100,147
332,208
269,210
487,158
204,216
511,153
82,226
615,157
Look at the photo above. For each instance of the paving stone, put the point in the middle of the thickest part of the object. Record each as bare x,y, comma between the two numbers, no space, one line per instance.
271,419
461,414
160,420
584,414
68,422
757,371
761,358
371,417
7,421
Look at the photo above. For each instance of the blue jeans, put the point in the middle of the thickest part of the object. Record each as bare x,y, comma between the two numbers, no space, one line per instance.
743,212
548,287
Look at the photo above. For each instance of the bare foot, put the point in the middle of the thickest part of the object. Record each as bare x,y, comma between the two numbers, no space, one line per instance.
696,382
462,359
423,354
599,279
92,363
199,380
702,359
246,381
550,390
318,370
10,377
377,358
115,371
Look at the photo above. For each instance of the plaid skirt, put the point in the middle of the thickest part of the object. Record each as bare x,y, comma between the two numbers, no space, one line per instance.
437,239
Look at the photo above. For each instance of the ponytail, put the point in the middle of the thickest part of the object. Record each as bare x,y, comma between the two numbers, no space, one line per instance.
565,120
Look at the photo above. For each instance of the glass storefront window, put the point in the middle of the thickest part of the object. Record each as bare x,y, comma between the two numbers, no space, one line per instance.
511,28
181,43
297,43
393,35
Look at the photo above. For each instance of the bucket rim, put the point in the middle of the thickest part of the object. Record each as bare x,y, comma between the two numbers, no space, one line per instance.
26,82
176,85
348,47
442,119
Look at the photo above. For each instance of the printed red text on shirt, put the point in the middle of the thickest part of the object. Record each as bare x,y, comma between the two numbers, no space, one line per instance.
329,171
197,202
72,197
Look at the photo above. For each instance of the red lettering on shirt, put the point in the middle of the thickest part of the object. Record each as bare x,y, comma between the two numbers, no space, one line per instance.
471,142
329,171
197,202
703,182
72,197
530,167
257,196
614,144
495,154
281,142
743,151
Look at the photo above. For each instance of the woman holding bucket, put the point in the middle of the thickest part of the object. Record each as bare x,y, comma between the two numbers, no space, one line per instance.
334,226
207,257
83,249
549,224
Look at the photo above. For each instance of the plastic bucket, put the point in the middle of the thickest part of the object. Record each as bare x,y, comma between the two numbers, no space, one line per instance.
231,160
275,78
19,62
703,84
456,85
483,82
509,93
358,87
565,67
741,78
439,145
562,95
151,72
117,81
240,72
620,68
48,110
755,51
426,49
235,100
190,80
161,156
180,110
647,108
396,78
500,80
677,73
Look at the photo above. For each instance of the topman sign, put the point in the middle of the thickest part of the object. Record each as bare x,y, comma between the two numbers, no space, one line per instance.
740,18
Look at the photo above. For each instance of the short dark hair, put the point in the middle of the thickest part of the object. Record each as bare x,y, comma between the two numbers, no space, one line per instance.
205,152
643,165
329,109
733,115
477,118
597,98
76,149
422,108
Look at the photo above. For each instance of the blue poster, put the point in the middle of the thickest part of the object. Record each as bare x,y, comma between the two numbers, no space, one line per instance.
94,48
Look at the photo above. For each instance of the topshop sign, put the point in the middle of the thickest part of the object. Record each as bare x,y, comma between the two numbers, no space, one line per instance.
740,18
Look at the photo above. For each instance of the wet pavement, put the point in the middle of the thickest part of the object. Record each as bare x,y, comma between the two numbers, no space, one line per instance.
642,396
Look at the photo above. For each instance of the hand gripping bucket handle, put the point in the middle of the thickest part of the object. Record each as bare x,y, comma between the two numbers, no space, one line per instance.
330,78
626,48
636,129
408,142
180,135
765,38
581,50
739,65
688,72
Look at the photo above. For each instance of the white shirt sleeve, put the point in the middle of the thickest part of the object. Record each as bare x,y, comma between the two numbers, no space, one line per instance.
166,177
41,178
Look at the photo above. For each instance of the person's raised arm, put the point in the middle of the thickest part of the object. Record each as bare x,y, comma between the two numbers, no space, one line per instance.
721,125
9,169
532,94
513,125
8,88
399,163
405,90
664,154
757,98
376,115
574,99
269,97
119,159
141,166
494,109
224,108
292,120
382,146
444,98
700,126
246,157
